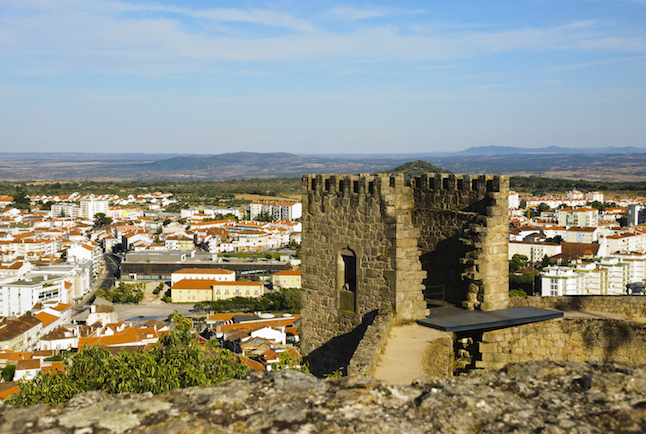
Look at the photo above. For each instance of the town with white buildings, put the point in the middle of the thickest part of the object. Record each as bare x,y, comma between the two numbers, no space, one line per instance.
585,243
53,257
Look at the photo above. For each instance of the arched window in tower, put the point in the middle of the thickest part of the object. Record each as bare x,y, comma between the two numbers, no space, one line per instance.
347,280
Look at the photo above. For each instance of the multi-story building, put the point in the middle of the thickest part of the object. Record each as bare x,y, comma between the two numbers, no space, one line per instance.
65,210
279,210
19,296
559,281
594,196
535,252
91,206
636,265
21,334
576,234
583,217
626,242
604,276
636,214
287,279
193,291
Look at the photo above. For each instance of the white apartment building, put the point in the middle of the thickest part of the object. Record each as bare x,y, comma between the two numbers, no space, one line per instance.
65,210
91,206
626,242
594,196
636,265
560,281
19,296
605,276
514,200
279,210
582,217
534,251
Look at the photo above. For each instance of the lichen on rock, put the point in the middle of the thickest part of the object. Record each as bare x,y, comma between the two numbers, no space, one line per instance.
534,397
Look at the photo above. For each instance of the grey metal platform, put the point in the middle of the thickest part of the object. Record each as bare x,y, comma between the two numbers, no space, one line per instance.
478,320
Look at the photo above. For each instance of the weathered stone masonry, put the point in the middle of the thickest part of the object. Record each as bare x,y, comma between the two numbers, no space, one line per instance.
374,243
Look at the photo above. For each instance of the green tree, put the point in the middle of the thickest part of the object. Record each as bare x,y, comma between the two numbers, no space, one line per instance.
21,200
8,372
517,262
124,293
179,361
542,207
100,220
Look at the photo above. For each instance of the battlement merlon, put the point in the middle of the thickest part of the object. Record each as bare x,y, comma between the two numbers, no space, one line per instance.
382,184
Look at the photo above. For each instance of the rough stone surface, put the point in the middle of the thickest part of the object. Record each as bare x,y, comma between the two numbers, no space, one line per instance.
537,397
574,340
365,358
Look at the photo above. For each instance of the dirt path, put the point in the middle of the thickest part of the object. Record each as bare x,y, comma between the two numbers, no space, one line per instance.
406,353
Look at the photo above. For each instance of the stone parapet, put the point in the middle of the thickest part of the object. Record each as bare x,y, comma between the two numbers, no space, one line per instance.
571,340
627,306
365,358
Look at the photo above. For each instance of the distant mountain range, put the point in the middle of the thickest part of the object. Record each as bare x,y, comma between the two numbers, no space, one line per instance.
511,150
612,164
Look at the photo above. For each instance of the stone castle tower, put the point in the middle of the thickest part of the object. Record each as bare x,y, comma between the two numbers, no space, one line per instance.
377,242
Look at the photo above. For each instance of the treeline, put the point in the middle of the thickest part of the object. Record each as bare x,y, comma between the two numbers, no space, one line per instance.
264,186
207,193
539,186
223,192
287,300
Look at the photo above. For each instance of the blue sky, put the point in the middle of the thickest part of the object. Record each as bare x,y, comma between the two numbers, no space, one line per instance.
320,76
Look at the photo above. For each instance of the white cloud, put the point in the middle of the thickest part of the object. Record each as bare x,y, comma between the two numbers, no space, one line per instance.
56,36
351,13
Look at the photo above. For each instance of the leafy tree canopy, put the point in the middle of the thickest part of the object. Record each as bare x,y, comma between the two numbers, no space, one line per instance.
418,167
179,361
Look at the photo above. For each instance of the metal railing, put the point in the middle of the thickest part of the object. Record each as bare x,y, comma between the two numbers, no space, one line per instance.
427,294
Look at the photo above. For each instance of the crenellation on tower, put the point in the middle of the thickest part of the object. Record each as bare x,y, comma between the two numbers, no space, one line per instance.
376,242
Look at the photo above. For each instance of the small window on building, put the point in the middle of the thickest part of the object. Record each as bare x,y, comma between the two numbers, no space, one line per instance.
347,280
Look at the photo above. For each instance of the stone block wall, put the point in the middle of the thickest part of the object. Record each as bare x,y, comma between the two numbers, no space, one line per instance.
464,234
455,225
628,306
371,217
571,340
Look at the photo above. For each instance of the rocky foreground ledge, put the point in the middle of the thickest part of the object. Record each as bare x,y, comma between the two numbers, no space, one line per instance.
535,397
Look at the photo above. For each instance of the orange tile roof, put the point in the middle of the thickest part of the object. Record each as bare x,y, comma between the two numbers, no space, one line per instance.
257,366
251,326
288,273
127,336
221,317
195,284
46,318
54,368
28,364
203,271
8,392
21,355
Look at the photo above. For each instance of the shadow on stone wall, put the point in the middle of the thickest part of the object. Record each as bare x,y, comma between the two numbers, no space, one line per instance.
336,353
443,267
609,336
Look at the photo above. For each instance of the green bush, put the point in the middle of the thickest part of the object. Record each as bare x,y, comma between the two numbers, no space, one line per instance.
124,293
179,362
517,293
